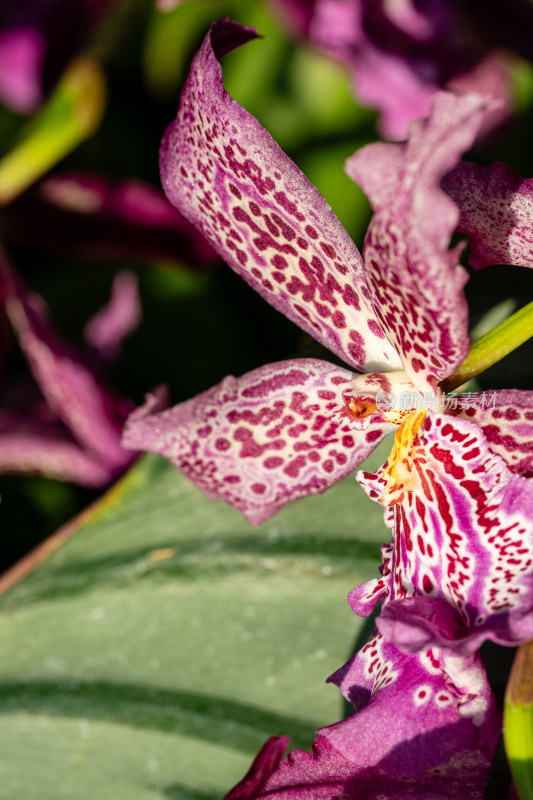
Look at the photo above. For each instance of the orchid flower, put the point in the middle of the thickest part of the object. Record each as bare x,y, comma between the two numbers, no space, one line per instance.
67,424
293,428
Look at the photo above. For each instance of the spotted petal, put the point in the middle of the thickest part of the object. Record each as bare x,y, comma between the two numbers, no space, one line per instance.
417,733
496,208
414,712
417,284
226,174
506,420
258,442
463,533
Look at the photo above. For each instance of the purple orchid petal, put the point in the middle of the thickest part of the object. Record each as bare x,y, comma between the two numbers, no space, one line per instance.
46,449
89,215
108,328
21,60
463,532
297,14
226,174
426,727
382,79
325,775
506,420
416,281
91,412
495,212
415,712
265,763
415,623
261,441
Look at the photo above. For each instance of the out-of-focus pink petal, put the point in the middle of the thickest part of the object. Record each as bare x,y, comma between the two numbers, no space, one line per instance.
90,215
416,281
37,449
506,420
297,14
224,172
491,77
261,441
496,211
108,328
92,413
21,60
463,532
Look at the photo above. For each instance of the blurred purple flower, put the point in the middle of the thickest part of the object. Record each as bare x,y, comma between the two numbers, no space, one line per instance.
65,424
37,39
401,52
86,216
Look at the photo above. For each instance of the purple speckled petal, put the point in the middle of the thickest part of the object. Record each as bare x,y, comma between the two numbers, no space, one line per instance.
416,281
496,208
326,775
266,439
463,532
224,172
91,412
506,419
107,329
426,727
414,712
90,215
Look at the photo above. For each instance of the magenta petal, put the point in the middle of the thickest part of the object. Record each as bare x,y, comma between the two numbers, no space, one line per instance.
416,281
21,60
506,419
108,328
415,712
464,532
261,441
226,174
496,212
92,413
426,727
326,775
416,623
92,216
37,449
262,768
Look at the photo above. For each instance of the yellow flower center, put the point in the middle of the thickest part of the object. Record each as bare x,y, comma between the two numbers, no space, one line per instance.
400,474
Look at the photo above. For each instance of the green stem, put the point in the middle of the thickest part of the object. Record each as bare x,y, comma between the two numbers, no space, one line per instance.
493,346
72,113
518,721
